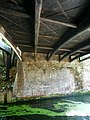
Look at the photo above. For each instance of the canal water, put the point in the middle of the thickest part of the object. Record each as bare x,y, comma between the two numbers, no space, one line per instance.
73,107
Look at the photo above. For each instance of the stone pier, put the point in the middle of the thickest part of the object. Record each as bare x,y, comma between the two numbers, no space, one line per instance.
44,78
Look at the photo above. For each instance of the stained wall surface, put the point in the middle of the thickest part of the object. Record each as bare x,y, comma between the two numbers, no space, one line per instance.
42,78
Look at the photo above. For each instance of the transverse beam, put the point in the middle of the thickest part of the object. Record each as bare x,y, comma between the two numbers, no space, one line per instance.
58,22
70,35
13,12
78,47
78,56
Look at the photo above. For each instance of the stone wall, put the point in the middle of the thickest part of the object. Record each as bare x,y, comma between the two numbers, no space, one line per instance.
42,78
86,74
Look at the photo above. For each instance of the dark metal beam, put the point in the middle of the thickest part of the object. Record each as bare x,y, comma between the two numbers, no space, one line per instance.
8,65
20,32
78,47
62,9
8,19
13,58
67,10
38,7
71,35
48,36
59,57
84,59
9,40
20,41
64,50
13,12
44,47
58,22
49,28
78,56
24,45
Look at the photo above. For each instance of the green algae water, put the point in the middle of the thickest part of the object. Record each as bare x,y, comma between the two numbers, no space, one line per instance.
59,108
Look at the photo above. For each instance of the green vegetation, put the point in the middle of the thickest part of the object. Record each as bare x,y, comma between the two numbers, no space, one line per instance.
64,105
27,110
7,85
61,108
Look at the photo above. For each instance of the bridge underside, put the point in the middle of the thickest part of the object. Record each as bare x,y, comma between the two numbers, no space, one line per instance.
60,27
45,30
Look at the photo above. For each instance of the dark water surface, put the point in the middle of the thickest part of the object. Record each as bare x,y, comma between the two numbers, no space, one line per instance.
42,117
75,107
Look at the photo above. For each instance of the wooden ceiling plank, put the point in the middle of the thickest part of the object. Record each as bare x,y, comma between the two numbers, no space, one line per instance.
49,28
11,21
13,12
62,9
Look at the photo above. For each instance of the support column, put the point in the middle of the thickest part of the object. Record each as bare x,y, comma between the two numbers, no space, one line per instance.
8,65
